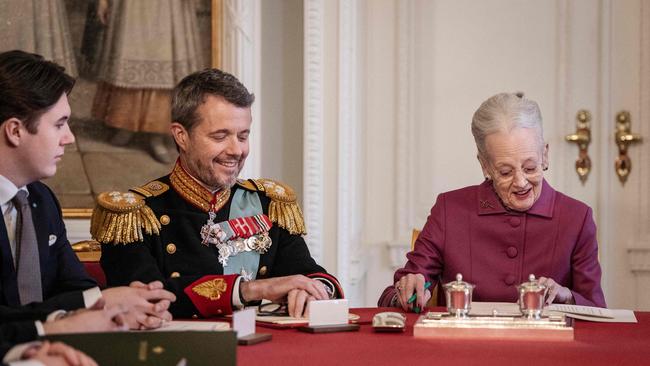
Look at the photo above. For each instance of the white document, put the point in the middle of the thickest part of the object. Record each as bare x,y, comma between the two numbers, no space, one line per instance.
593,314
243,322
180,326
328,312
582,312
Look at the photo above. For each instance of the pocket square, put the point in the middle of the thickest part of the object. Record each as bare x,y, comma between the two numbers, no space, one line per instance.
52,239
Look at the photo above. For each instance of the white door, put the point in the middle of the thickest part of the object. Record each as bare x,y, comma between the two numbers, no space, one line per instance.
605,72
567,55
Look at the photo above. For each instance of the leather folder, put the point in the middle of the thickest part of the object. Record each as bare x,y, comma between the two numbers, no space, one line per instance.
191,348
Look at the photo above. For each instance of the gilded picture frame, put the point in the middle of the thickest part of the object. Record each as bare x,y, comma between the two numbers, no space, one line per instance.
91,165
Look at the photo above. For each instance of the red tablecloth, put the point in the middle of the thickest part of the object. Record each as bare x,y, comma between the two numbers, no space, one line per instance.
594,344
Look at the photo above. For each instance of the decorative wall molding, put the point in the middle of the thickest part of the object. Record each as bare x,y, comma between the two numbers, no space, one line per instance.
351,270
397,254
241,57
639,258
313,178
643,167
562,12
406,146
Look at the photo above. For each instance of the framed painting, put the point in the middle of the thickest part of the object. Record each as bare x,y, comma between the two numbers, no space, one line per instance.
126,56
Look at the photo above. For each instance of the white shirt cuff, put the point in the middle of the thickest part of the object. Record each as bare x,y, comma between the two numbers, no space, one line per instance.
39,328
236,299
26,363
54,316
15,354
329,287
91,296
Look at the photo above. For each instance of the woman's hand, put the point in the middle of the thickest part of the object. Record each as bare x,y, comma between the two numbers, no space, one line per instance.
556,292
409,284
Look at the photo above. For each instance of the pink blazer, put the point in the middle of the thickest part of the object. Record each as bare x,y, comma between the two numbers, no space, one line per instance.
469,231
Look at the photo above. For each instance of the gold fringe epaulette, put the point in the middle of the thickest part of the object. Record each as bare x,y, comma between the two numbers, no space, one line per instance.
118,218
283,209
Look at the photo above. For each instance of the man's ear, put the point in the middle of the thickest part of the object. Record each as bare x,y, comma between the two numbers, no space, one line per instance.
12,131
180,134
545,157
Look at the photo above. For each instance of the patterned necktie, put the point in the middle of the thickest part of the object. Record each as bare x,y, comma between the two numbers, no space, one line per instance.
28,265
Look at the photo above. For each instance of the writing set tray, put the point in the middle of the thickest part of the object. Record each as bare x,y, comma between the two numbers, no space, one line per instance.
445,326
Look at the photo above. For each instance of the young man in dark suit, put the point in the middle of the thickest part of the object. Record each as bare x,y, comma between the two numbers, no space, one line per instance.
37,265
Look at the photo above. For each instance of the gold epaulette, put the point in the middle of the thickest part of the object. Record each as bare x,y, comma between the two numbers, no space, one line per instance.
283,209
118,218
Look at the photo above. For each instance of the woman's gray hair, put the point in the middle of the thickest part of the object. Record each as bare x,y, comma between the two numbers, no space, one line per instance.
503,113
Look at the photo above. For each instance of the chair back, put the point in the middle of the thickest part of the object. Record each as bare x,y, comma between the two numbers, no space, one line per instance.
89,252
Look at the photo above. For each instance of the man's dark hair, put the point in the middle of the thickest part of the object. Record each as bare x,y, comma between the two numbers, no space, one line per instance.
29,85
189,94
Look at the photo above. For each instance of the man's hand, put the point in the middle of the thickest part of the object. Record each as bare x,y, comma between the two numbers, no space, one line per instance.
298,303
55,354
147,304
96,319
277,289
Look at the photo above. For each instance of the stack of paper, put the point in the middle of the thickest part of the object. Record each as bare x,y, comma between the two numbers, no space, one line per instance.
593,314
590,313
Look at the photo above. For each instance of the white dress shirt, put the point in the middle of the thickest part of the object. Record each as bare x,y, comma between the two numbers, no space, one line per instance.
9,213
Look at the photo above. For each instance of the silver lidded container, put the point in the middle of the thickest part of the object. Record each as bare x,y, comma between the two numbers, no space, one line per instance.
532,295
458,295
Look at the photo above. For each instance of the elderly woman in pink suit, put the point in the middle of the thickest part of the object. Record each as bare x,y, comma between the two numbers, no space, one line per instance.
511,225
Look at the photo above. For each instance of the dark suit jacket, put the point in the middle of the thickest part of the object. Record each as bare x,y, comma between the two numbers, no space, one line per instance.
469,231
14,333
17,326
62,275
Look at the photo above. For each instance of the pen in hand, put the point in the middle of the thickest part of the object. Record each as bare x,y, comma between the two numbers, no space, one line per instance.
416,309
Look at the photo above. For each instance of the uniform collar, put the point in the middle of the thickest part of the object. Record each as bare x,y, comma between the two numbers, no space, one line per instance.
489,202
194,192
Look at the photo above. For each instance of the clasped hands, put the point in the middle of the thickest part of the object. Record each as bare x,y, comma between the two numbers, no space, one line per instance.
297,291
414,282
137,306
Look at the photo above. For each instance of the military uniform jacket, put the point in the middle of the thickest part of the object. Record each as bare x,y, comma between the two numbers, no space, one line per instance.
177,257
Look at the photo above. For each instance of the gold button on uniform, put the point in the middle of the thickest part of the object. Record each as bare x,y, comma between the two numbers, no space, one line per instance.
164,219
171,248
262,271
194,316
175,275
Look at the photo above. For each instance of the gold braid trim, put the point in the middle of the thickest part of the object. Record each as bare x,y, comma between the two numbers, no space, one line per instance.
120,217
283,209
193,192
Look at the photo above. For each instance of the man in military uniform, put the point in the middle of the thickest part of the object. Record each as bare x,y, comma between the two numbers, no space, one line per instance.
215,241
